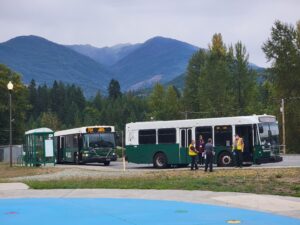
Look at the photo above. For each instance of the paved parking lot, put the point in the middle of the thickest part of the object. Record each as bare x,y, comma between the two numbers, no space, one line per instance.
288,161
131,169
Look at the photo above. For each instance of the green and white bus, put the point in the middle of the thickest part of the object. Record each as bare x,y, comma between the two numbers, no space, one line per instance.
165,143
85,145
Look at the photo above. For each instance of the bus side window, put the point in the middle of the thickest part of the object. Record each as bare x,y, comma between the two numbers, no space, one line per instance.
75,141
80,142
206,133
167,136
69,141
147,136
223,136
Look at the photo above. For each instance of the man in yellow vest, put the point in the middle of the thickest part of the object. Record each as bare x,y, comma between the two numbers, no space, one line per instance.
193,154
238,149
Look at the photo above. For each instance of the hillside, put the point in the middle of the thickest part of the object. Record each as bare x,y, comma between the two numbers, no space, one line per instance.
158,59
135,66
37,58
107,55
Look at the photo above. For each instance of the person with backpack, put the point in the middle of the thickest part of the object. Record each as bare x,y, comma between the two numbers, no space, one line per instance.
209,155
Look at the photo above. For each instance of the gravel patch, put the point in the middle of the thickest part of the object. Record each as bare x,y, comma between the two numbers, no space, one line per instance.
84,172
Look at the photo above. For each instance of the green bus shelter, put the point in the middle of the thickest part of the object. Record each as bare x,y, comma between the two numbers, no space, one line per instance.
38,148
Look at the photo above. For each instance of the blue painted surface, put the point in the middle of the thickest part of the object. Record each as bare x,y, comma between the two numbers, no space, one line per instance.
66,211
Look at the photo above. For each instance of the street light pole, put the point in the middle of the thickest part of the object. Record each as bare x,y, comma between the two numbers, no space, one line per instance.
10,87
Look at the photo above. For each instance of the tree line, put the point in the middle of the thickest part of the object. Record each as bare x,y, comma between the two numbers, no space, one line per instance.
219,81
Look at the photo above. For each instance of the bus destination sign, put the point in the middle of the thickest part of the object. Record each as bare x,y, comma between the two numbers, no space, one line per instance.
93,130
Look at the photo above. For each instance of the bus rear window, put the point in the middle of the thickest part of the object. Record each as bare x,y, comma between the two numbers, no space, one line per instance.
167,136
147,136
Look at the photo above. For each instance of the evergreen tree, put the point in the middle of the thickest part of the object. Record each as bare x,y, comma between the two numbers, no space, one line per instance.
156,103
191,87
58,100
32,99
172,104
114,89
215,95
283,50
244,82
50,120
43,100
98,101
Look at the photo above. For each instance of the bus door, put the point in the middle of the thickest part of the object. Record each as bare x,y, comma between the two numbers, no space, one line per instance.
246,132
60,149
185,140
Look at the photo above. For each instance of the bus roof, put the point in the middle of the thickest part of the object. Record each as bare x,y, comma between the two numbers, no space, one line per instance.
39,130
80,130
254,119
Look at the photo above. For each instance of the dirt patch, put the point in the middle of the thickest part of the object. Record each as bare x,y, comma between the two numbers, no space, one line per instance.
7,172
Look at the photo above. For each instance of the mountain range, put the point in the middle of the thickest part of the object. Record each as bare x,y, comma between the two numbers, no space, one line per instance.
135,66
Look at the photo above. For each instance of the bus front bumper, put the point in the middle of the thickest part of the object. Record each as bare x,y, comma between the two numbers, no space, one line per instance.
96,159
276,158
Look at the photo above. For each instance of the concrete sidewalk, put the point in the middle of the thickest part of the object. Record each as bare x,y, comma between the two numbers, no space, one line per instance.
288,206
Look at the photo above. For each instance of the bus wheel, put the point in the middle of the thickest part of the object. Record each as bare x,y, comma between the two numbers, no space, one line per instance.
160,160
258,161
106,163
225,159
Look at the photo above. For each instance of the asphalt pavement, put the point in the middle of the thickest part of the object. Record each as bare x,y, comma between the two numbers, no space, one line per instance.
288,161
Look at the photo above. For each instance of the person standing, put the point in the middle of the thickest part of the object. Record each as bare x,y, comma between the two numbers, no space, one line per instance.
238,149
209,155
200,148
193,154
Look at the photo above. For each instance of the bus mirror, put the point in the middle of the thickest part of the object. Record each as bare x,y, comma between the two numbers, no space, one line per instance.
261,129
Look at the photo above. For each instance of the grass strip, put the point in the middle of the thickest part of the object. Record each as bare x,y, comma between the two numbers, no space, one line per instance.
285,182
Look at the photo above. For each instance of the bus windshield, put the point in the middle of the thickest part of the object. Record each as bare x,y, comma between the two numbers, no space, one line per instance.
269,133
99,140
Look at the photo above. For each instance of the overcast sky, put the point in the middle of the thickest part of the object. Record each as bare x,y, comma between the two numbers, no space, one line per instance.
109,22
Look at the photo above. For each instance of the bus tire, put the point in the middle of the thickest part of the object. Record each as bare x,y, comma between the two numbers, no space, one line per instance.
160,160
107,163
225,159
257,161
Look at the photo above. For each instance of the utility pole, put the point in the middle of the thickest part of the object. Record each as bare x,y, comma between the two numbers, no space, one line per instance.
283,126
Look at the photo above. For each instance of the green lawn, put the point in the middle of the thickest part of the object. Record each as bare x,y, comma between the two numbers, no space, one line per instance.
261,181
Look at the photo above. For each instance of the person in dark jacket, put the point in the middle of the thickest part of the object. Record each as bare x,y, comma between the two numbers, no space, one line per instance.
200,148
209,155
